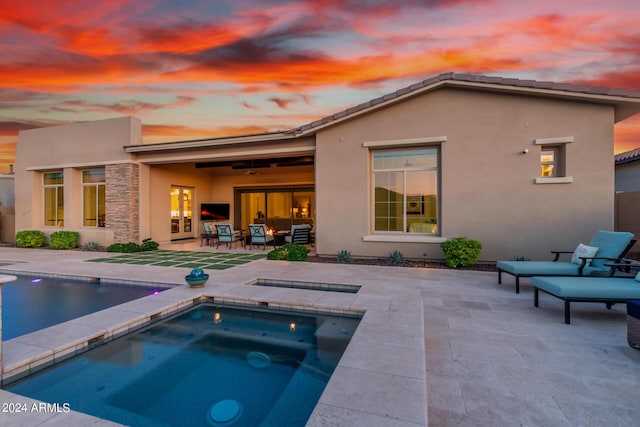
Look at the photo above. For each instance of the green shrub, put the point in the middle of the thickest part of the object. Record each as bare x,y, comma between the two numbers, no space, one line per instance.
64,239
396,258
297,252
124,247
29,238
149,245
461,251
277,254
115,247
289,252
344,257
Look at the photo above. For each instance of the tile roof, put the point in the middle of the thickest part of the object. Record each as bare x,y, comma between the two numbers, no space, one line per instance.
472,79
628,156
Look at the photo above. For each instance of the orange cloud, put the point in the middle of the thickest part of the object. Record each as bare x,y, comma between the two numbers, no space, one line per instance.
250,106
164,133
11,128
281,102
624,79
627,135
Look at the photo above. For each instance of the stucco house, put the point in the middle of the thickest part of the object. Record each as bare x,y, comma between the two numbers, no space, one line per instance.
627,209
628,170
522,166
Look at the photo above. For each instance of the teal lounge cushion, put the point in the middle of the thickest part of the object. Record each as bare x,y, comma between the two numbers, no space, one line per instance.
589,287
543,268
610,244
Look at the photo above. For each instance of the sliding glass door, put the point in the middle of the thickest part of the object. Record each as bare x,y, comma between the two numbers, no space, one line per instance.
278,207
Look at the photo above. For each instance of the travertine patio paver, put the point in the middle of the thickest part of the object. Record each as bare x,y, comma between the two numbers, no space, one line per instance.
490,357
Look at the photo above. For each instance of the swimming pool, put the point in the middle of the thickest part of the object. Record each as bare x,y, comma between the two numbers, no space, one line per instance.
32,303
213,365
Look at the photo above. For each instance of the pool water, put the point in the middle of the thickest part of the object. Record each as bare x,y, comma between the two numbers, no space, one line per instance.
33,303
211,366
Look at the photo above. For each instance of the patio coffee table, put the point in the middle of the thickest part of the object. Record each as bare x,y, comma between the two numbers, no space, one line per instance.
278,237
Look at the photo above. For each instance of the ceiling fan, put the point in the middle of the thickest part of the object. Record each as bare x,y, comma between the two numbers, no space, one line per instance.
252,170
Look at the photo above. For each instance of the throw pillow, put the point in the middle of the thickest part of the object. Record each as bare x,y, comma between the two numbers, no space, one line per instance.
583,251
638,276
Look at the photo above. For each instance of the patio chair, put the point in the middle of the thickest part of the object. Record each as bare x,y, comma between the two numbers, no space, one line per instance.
208,237
609,246
607,290
259,236
300,234
226,234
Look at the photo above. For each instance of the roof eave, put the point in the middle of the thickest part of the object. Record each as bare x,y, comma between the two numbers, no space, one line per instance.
211,142
624,106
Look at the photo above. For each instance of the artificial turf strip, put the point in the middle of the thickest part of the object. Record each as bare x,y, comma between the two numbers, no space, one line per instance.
235,261
191,265
164,263
218,267
206,260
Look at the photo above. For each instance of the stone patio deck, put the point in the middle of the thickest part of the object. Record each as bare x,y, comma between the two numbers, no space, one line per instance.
451,347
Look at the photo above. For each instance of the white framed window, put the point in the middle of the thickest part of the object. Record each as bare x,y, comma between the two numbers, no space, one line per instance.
53,192
93,198
553,160
406,190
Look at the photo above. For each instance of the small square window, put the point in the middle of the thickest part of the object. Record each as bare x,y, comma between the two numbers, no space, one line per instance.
552,161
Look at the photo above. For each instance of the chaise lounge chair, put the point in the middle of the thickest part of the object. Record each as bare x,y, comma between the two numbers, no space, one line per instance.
608,290
611,246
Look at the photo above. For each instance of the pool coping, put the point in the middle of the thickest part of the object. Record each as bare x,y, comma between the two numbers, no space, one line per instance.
380,380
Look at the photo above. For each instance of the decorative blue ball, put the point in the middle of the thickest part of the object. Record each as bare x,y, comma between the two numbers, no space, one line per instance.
197,272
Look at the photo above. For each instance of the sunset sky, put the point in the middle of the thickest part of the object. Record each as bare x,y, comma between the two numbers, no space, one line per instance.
193,69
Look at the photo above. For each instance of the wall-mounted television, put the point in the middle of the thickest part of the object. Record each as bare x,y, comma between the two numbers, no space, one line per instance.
214,211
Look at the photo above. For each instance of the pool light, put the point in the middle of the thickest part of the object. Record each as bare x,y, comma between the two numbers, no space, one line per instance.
217,318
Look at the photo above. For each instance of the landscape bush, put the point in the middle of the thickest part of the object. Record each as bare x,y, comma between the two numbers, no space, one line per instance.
147,245
124,247
461,251
278,254
64,239
29,239
289,252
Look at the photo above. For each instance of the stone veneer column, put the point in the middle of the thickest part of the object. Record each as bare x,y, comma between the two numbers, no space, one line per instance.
122,201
